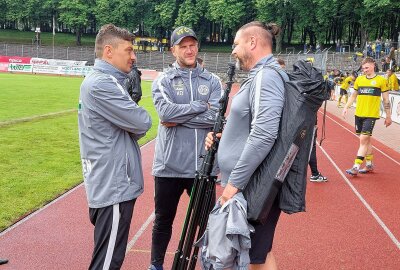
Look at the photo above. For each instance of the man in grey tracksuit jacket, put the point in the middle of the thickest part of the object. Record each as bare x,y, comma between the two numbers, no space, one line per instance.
110,124
186,99
252,127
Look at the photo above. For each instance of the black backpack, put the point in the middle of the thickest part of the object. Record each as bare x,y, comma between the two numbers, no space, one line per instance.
284,170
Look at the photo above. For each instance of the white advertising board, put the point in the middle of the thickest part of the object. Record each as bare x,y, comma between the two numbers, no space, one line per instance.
57,62
395,103
25,68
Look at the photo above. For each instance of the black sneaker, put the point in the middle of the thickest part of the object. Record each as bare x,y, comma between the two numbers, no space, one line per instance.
318,178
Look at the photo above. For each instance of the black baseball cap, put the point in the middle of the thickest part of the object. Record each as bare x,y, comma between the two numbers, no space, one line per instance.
180,33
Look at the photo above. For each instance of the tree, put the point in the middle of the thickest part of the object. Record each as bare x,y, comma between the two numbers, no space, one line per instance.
280,12
75,13
228,14
188,14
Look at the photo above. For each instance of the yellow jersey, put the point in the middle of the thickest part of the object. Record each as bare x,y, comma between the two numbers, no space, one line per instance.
346,83
393,83
369,92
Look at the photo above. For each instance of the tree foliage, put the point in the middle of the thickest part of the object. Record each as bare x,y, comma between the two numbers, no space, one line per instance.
302,21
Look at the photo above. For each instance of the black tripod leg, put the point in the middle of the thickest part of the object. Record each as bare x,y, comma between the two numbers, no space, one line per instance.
209,202
178,253
192,225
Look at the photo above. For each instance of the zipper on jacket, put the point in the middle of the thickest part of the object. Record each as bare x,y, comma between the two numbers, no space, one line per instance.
195,130
127,167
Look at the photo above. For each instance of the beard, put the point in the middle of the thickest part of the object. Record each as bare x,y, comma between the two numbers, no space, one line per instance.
241,62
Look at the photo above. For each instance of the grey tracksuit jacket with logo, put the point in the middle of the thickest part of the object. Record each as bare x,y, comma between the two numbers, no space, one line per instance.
253,123
180,96
110,124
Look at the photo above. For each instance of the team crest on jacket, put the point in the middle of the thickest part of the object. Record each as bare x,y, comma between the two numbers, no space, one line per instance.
203,90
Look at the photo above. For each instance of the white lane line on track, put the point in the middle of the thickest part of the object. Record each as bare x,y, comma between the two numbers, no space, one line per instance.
380,151
360,197
140,232
50,203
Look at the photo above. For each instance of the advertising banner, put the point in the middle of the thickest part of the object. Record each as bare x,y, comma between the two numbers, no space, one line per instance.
395,102
25,68
46,69
57,62
3,67
80,71
15,59
62,70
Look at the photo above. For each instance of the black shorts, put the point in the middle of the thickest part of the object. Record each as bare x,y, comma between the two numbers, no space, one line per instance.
343,92
263,236
364,125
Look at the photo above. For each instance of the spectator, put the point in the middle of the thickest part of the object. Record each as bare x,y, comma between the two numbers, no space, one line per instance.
393,82
110,124
186,98
385,64
369,49
367,90
252,127
387,46
344,87
281,62
378,48
316,175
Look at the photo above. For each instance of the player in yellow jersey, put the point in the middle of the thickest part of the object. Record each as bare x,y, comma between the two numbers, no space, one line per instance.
393,82
344,87
368,90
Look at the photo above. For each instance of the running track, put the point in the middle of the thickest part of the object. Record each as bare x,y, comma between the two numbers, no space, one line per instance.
350,223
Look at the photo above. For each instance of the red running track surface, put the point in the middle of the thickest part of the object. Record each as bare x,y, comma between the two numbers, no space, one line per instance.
350,223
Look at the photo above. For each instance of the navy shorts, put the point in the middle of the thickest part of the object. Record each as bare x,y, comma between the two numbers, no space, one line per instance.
364,125
343,92
263,236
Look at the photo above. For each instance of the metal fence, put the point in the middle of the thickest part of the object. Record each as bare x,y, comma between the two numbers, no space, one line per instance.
49,52
214,62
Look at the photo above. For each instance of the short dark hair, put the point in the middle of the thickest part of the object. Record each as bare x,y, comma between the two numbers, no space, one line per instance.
109,34
368,60
281,61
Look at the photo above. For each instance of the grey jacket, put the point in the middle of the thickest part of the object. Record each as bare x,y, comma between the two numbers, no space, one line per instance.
180,95
110,124
226,241
253,123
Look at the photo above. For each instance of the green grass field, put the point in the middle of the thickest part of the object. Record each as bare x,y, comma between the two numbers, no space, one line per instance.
40,158
60,39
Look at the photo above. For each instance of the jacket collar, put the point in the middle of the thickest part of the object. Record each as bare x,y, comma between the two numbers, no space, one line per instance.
177,71
267,60
107,68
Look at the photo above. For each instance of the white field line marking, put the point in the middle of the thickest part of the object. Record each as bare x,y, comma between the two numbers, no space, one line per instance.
50,203
35,117
140,232
360,197
380,151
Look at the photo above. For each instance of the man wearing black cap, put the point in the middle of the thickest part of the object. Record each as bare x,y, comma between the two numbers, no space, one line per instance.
186,99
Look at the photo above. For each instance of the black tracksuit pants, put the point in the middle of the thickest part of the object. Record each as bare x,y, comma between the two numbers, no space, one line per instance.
111,230
166,198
